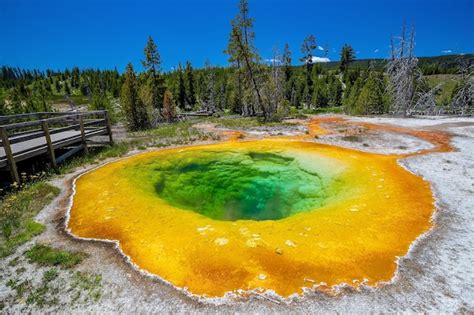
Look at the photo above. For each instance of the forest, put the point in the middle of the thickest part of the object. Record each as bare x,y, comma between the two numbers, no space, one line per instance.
272,89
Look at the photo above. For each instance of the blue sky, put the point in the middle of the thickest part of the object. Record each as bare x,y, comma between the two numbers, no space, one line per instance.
104,33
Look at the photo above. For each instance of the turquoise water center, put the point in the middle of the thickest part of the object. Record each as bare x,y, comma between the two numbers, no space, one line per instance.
238,185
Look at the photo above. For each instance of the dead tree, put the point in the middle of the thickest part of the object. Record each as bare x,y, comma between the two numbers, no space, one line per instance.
463,98
405,78
274,89
425,102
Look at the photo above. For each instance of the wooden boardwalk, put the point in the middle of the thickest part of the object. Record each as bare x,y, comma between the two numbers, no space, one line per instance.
27,136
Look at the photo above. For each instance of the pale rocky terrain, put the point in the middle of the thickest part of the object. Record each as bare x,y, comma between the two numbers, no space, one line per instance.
436,276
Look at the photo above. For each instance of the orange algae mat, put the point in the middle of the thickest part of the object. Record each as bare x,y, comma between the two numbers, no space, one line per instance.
366,213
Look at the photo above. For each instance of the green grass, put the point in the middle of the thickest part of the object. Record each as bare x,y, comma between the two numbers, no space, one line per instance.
96,155
325,110
21,287
61,98
448,83
170,134
58,279
182,129
79,288
50,275
17,212
48,256
89,283
239,122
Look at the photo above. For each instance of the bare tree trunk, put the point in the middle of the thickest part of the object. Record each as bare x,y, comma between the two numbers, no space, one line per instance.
252,76
462,102
406,78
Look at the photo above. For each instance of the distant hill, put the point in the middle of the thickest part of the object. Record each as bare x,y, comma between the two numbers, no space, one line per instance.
446,64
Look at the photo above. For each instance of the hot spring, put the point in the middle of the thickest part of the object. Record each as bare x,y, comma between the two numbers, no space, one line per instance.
275,215
232,185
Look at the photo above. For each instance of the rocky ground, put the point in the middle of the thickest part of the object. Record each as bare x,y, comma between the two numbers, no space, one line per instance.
435,276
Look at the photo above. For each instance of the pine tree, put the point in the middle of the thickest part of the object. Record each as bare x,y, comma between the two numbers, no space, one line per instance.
3,107
319,98
306,96
190,89
67,89
222,96
3,104
85,89
100,100
134,109
169,108
16,105
152,63
351,95
57,85
209,97
75,77
116,83
181,89
347,57
243,54
371,97
40,96
335,92
235,60
288,71
307,49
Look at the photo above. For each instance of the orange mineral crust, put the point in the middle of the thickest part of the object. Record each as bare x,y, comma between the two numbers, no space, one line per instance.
350,215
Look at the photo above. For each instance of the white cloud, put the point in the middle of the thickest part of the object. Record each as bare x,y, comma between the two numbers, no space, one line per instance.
447,51
377,50
320,48
272,60
320,59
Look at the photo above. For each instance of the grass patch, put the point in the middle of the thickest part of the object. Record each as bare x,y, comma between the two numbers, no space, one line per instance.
21,287
89,283
48,256
448,83
17,211
239,122
77,99
183,130
74,288
41,295
94,155
325,110
170,134
50,275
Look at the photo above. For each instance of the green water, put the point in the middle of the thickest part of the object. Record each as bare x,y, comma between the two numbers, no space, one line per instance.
226,185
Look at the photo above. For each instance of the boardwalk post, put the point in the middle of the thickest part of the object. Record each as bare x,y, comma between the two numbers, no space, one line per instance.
109,128
44,124
83,134
9,154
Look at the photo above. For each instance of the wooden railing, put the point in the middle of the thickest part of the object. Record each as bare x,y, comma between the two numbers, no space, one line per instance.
25,136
